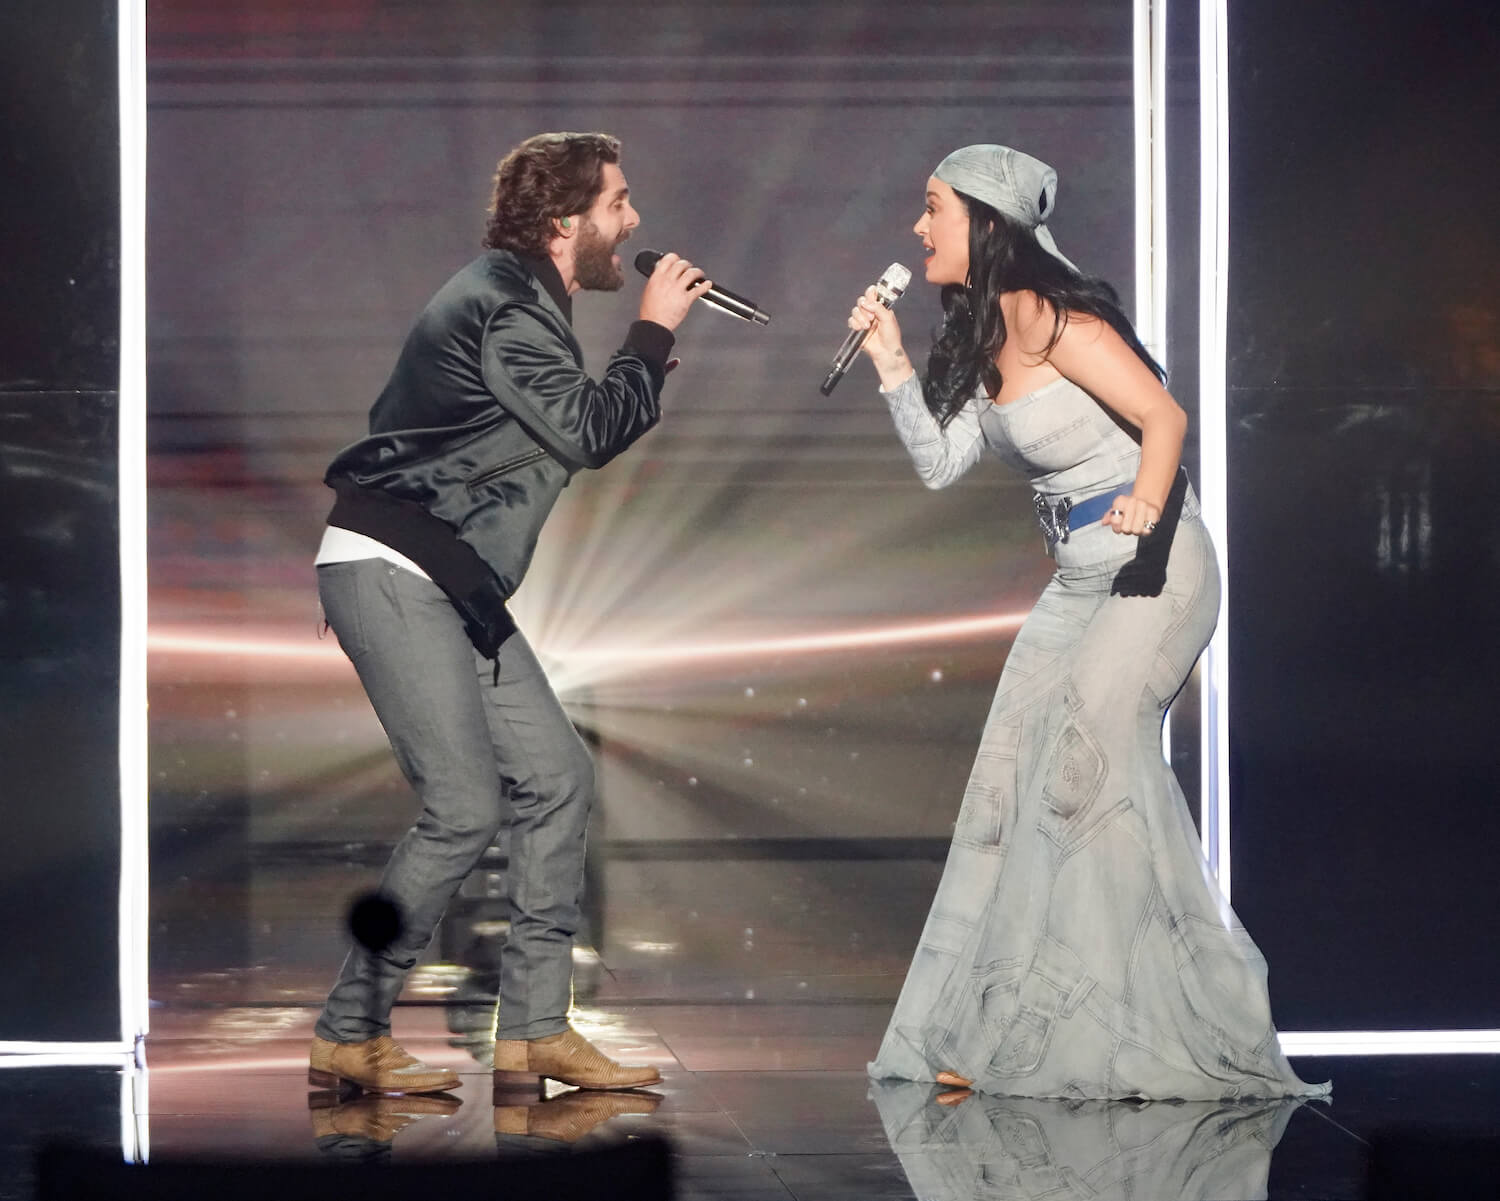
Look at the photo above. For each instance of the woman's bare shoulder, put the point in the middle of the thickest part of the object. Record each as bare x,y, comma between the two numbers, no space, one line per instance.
1030,320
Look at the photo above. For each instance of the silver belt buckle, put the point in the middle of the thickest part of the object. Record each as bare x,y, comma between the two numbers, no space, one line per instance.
1053,518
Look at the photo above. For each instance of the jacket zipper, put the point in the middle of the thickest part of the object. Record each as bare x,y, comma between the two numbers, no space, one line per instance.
512,464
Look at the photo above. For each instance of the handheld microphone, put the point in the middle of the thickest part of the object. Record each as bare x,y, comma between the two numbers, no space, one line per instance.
721,298
887,290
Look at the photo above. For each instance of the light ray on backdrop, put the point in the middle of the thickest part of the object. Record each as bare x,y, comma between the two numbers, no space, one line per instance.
633,525
567,600
588,665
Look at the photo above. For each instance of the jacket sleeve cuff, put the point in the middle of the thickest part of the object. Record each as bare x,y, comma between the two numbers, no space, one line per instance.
651,342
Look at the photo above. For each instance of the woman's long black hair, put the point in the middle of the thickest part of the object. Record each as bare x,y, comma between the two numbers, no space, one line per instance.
1004,256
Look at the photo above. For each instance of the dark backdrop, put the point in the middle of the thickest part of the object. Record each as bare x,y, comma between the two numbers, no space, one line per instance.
1364,435
59,535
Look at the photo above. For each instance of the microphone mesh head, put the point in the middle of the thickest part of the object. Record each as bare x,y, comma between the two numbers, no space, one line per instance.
894,281
646,261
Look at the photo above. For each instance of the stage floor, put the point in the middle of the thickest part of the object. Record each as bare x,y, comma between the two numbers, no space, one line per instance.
757,976
758,1101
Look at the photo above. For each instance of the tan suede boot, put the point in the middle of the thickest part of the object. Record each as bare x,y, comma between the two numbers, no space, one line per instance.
377,1065
377,1118
568,1058
568,1118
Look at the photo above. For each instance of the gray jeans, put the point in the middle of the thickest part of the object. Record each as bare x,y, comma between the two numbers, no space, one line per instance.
481,755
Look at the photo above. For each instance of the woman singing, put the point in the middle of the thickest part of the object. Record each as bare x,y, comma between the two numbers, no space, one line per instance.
1077,945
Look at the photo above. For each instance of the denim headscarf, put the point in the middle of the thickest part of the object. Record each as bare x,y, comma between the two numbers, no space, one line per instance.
1021,187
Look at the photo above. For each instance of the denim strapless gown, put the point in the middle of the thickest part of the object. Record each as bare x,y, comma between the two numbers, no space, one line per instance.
1078,945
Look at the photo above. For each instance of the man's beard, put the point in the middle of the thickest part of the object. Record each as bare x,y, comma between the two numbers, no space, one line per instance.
593,263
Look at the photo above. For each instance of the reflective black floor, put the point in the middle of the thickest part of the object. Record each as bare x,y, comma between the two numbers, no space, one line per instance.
758,978
758,984
757,974
757,1101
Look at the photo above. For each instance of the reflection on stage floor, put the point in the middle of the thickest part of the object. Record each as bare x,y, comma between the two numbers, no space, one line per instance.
726,975
757,1101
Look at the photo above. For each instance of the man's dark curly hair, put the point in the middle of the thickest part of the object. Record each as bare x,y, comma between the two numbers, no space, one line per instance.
547,176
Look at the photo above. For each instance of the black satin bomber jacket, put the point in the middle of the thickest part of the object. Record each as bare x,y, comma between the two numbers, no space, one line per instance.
487,415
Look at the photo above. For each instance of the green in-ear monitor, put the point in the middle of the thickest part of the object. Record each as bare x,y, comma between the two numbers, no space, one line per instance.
565,224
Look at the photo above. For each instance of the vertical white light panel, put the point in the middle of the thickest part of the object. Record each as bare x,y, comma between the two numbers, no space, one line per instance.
1213,294
1151,176
1150,112
134,870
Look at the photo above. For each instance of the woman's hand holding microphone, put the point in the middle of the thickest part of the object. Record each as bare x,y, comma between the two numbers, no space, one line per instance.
884,342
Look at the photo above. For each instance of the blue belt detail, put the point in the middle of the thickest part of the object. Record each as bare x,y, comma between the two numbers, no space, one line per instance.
1059,519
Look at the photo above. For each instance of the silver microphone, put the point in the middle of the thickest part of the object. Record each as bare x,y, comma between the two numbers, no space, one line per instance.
720,298
887,290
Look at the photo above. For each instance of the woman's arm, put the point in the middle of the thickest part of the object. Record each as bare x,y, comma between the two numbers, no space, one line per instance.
1094,357
940,453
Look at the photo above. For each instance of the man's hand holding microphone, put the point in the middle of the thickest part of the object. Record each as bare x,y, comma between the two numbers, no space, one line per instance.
671,287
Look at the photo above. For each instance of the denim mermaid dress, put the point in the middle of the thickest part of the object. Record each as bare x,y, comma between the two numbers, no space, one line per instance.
1078,946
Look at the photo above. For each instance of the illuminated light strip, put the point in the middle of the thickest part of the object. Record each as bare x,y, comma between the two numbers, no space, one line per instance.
270,1063
1337,1042
134,838
46,1055
1390,1042
1145,313
258,648
1151,176
934,631
1150,109
1213,297
1159,177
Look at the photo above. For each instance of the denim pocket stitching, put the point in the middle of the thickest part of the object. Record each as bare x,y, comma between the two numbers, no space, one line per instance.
346,581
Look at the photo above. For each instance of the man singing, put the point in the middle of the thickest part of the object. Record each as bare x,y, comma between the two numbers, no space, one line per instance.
487,415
